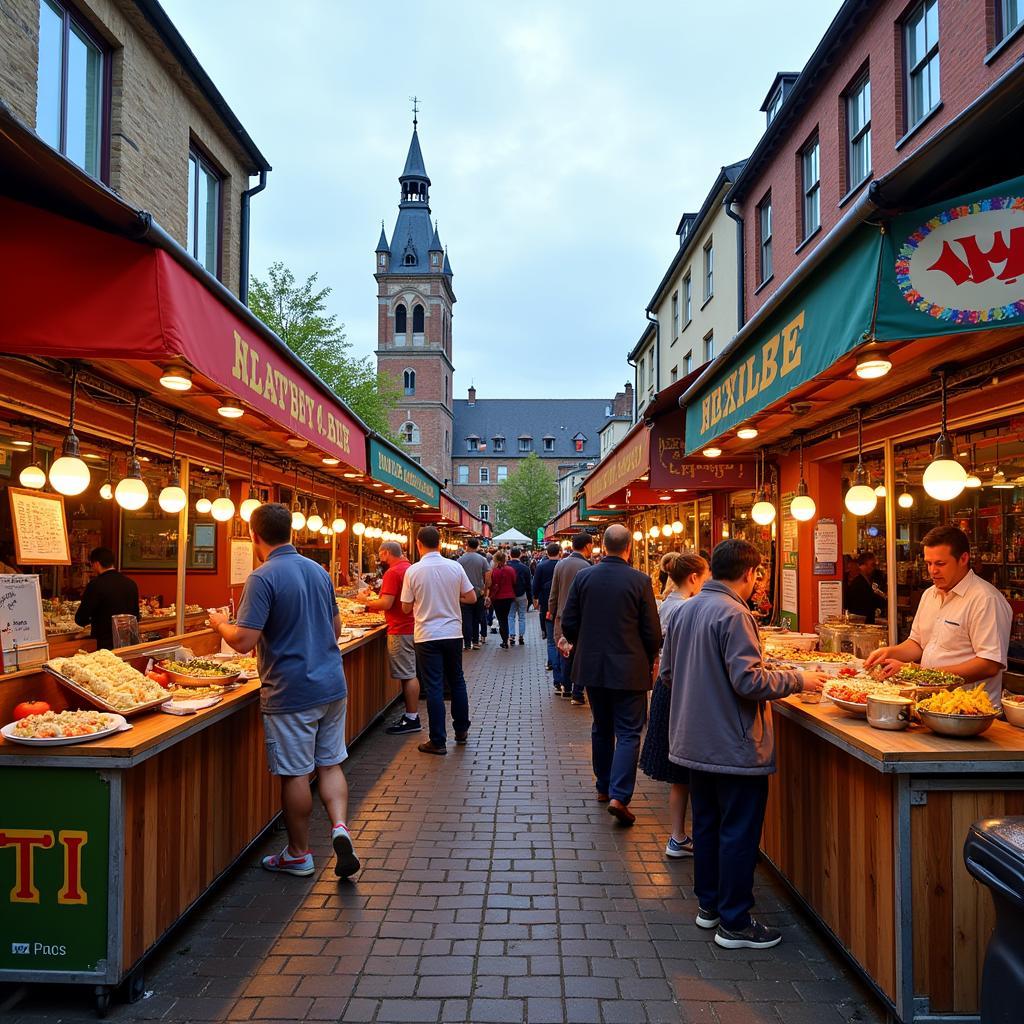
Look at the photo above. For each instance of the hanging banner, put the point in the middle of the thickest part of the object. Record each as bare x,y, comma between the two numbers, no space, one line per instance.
627,462
387,466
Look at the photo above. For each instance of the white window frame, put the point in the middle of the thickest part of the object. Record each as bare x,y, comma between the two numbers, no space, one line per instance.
412,430
462,475
484,475
810,177
709,269
549,444
675,314
764,242
926,68
858,132
709,346
687,299
502,474
1011,17
485,513
526,444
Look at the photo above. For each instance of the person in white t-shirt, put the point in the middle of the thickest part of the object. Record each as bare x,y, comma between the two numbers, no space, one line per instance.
962,623
434,589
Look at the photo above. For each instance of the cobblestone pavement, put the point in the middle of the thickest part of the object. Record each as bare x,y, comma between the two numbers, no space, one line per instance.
494,888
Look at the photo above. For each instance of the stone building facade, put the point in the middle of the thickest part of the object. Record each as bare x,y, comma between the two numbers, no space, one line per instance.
154,106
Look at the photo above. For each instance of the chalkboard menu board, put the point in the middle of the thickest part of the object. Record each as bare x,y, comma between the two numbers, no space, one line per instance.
40,528
21,612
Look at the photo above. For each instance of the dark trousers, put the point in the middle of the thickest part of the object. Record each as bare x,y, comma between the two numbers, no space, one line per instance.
728,813
619,717
543,609
501,608
555,659
473,627
569,685
439,662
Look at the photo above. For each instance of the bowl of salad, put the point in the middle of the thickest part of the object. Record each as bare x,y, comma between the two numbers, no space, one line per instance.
200,672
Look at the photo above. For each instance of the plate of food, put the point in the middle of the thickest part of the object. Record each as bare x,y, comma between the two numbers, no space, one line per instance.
958,713
1013,708
62,728
107,682
200,672
851,694
245,663
183,702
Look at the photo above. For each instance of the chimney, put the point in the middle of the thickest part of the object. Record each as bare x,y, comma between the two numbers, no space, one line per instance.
623,401
472,395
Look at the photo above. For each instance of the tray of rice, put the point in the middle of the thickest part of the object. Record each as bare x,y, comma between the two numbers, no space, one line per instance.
102,679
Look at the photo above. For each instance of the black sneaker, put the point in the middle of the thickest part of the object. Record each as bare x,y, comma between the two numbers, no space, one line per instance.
503,645
754,936
521,641
707,918
403,725
493,630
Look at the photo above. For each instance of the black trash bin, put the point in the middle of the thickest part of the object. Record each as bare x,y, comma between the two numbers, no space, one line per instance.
994,854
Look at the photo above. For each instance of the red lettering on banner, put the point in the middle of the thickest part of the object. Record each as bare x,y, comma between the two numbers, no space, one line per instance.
72,891
977,265
25,842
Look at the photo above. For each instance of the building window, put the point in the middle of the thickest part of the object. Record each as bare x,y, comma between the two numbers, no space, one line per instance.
858,132
775,104
810,170
72,101
400,324
382,260
673,374
709,346
485,513
203,212
410,259
409,381
709,270
472,443
675,315
463,477
641,375
688,363
485,475
417,319
434,258
446,389
650,372
764,230
687,299
1011,16
502,474
526,444
549,444
921,58
498,443
410,432
447,443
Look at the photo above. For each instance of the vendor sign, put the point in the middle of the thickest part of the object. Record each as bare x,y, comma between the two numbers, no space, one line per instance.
821,321
386,465
628,462
671,469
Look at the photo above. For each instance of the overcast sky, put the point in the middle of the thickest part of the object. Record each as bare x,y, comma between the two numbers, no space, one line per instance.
563,141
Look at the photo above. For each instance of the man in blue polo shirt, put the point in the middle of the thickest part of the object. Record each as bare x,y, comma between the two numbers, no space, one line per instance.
289,615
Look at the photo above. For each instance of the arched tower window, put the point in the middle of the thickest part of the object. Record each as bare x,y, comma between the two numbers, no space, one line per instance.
400,318
417,319
410,259
410,432
409,380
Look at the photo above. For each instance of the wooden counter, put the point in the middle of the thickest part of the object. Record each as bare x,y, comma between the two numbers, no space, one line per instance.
145,820
867,828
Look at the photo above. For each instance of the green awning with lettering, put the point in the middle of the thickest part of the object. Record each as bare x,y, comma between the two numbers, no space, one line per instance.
389,467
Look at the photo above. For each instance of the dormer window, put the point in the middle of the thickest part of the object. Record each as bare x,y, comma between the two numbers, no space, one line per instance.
579,440
525,443
498,443
472,442
774,105
549,443
434,259
410,260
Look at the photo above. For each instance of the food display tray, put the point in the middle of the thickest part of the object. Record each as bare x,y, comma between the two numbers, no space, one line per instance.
63,741
198,681
99,702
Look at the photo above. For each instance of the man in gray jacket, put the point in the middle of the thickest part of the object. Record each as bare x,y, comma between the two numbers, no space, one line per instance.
720,727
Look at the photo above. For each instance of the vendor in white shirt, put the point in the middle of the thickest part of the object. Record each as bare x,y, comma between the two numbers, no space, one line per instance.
962,623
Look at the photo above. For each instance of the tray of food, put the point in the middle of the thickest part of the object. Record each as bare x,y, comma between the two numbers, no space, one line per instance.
851,694
791,641
926,680
200,672
367,619
62,728
107,682
958,713
245,663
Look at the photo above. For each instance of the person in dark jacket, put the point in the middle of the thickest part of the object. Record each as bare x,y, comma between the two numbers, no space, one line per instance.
107,594
568,568
720,727
524,594
611,621
542,585
863,595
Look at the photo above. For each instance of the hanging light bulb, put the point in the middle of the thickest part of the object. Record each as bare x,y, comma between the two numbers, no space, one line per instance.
654,532
677,527
298,516
223,508
246,509
860,499
172,499
880,491
763,511
359,529
802,507
339,525
32,476
69,474
315,521
131,493
905,500
973,481
203,505
944,479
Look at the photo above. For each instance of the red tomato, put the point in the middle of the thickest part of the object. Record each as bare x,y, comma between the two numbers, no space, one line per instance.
30,707
159,677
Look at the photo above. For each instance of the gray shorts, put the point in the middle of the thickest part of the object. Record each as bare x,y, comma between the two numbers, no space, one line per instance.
299,741
402,656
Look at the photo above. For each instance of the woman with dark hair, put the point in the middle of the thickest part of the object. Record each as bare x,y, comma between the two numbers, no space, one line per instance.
503,593
686,575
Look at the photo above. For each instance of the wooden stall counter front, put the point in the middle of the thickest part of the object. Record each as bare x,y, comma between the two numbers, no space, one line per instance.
123,835
867,829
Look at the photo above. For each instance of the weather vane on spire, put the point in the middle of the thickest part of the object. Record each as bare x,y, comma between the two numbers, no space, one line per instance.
415,100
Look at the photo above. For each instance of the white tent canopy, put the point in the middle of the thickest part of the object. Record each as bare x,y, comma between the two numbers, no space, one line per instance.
512,536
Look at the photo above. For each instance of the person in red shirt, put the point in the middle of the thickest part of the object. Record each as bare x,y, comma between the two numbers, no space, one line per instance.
503,593
401,649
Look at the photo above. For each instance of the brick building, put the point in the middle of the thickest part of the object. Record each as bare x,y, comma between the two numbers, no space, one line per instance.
116,89
885,78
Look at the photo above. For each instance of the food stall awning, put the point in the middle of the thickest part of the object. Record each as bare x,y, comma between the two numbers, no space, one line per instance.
386,464
124,300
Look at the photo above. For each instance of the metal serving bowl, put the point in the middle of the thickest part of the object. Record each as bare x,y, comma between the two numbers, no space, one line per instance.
956,725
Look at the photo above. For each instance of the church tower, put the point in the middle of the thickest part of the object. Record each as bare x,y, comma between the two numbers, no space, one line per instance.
414,320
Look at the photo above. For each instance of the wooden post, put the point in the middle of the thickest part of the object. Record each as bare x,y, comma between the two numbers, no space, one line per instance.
179,598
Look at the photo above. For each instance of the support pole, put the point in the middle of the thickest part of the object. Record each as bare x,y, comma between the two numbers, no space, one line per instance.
179,597
890,537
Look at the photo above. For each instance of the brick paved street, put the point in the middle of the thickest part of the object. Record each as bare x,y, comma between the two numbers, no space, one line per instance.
494,889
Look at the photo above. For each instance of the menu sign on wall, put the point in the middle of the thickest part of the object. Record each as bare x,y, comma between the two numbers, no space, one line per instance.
40,529
241,561
22,628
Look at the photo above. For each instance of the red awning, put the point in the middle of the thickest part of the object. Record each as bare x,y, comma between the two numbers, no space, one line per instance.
83,293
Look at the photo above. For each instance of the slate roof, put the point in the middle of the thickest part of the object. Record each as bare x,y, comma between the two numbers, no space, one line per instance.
414,232
535,417
382,244
414,167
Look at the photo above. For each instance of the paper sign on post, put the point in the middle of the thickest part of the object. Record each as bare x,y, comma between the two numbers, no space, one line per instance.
241,561
830,600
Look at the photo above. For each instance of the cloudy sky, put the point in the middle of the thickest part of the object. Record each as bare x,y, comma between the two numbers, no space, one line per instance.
563,140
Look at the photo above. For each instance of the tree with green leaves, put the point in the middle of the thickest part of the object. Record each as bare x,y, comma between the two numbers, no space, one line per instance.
297,314
528,497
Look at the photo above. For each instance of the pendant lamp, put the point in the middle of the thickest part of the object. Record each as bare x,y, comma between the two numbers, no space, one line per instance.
905,499
69,474
131,493
802,508
32,476
860,498
172,499
973,481
298,516
250,504
107,487
944,479
223,508
763,512
338,524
